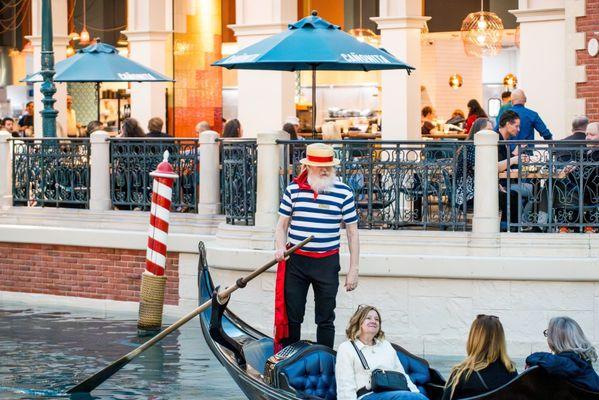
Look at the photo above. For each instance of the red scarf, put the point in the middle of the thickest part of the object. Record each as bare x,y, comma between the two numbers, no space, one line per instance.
281,320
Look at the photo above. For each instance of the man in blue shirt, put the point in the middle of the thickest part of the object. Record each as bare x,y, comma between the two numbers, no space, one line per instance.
529,119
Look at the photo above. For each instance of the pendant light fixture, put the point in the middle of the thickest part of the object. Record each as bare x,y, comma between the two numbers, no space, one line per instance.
510,81
482,33
456,81
365,35
84,36
14,52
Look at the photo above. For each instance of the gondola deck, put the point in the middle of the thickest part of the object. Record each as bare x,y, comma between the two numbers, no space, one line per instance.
532,384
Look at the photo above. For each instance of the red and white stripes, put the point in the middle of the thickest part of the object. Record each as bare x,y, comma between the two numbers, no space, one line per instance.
162,191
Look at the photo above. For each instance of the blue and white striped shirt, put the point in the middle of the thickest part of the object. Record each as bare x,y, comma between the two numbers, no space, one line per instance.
320,217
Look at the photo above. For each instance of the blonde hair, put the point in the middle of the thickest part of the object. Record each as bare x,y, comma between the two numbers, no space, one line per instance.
486,344
355,323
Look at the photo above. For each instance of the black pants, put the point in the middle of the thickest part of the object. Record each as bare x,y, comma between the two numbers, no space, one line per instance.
323,275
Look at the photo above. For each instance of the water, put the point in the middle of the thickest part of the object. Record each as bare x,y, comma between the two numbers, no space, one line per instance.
44,352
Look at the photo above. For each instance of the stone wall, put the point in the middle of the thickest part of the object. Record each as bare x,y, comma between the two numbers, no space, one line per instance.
90,272
589,90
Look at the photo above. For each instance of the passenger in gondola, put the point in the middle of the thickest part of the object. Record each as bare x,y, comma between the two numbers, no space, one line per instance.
572,354
315,203
366,341
487,365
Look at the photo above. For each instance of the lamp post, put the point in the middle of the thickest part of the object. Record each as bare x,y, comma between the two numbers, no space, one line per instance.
48,88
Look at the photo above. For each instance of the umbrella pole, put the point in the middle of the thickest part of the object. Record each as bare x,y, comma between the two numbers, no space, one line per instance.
98,99
314,102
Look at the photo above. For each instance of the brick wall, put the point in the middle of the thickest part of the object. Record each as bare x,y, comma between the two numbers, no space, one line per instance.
589,90
93,272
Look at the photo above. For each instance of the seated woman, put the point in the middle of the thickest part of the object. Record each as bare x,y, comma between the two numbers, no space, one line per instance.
353,381
487,365
572,355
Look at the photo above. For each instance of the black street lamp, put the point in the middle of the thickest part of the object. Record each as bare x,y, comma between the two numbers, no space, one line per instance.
48,88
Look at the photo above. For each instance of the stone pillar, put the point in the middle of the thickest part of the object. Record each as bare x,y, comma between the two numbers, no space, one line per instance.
6,167
209,199
257,20
543,37
99,199
400,23
147,36
486,184
270,156
60,41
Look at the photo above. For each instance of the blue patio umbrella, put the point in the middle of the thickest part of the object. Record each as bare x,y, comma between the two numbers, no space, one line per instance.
97,63
313,44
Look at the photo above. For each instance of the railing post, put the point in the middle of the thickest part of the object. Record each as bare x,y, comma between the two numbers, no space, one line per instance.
209,199
99,199
486,184
270,155
5,165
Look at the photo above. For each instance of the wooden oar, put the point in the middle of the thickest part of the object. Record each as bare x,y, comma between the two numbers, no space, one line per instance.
99,377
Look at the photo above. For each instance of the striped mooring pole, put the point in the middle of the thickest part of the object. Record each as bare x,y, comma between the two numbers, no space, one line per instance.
153,281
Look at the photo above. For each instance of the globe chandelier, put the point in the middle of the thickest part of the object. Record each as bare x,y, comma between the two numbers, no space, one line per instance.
482,33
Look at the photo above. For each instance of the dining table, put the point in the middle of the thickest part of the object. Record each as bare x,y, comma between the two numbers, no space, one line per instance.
460,135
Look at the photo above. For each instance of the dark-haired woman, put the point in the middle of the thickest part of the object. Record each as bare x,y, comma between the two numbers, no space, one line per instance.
475,111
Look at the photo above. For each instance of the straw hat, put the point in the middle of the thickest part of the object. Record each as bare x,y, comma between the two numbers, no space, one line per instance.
320,155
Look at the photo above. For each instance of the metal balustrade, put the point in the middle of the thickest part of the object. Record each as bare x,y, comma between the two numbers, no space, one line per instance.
132,160
396,184
50,172
238,159
553,186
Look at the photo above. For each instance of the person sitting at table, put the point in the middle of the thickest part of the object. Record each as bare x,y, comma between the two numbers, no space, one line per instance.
475,111
509,126
428,116
457,119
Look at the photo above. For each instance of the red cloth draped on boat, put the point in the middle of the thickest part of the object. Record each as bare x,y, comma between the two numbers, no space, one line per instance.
281,320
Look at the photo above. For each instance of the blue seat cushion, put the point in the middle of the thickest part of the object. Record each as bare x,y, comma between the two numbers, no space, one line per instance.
313,374
417,370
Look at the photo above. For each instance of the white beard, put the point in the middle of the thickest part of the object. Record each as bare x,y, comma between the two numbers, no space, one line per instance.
321,184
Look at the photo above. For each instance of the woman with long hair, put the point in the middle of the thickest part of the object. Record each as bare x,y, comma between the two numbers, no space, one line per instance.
131,128
475,111
572,354
487,365
365,334
232,129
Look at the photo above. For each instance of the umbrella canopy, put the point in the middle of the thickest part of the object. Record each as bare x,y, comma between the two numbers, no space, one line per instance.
313,44
100,62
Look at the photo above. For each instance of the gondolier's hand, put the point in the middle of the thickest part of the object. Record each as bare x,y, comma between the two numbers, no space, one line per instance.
279,254
351,279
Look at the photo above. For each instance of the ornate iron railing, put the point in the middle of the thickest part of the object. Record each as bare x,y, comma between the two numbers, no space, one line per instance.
552,185
239,159
50,172
132,160
397,184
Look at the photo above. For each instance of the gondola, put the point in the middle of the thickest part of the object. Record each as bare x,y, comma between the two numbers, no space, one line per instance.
306,370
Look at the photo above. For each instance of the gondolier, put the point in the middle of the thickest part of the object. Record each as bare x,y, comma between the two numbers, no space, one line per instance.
315,203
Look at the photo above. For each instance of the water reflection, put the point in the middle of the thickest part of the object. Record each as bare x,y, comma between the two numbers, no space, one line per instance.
42,354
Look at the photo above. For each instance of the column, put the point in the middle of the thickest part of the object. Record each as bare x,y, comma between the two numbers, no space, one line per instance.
543,37
60,42
99,198
269,165
256,20
400,23
147,34
6,167
209,202
486,184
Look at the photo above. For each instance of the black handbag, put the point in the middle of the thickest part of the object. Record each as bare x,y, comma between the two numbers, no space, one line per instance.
382,380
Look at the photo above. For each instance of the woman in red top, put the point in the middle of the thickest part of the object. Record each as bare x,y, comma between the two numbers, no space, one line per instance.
475,111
